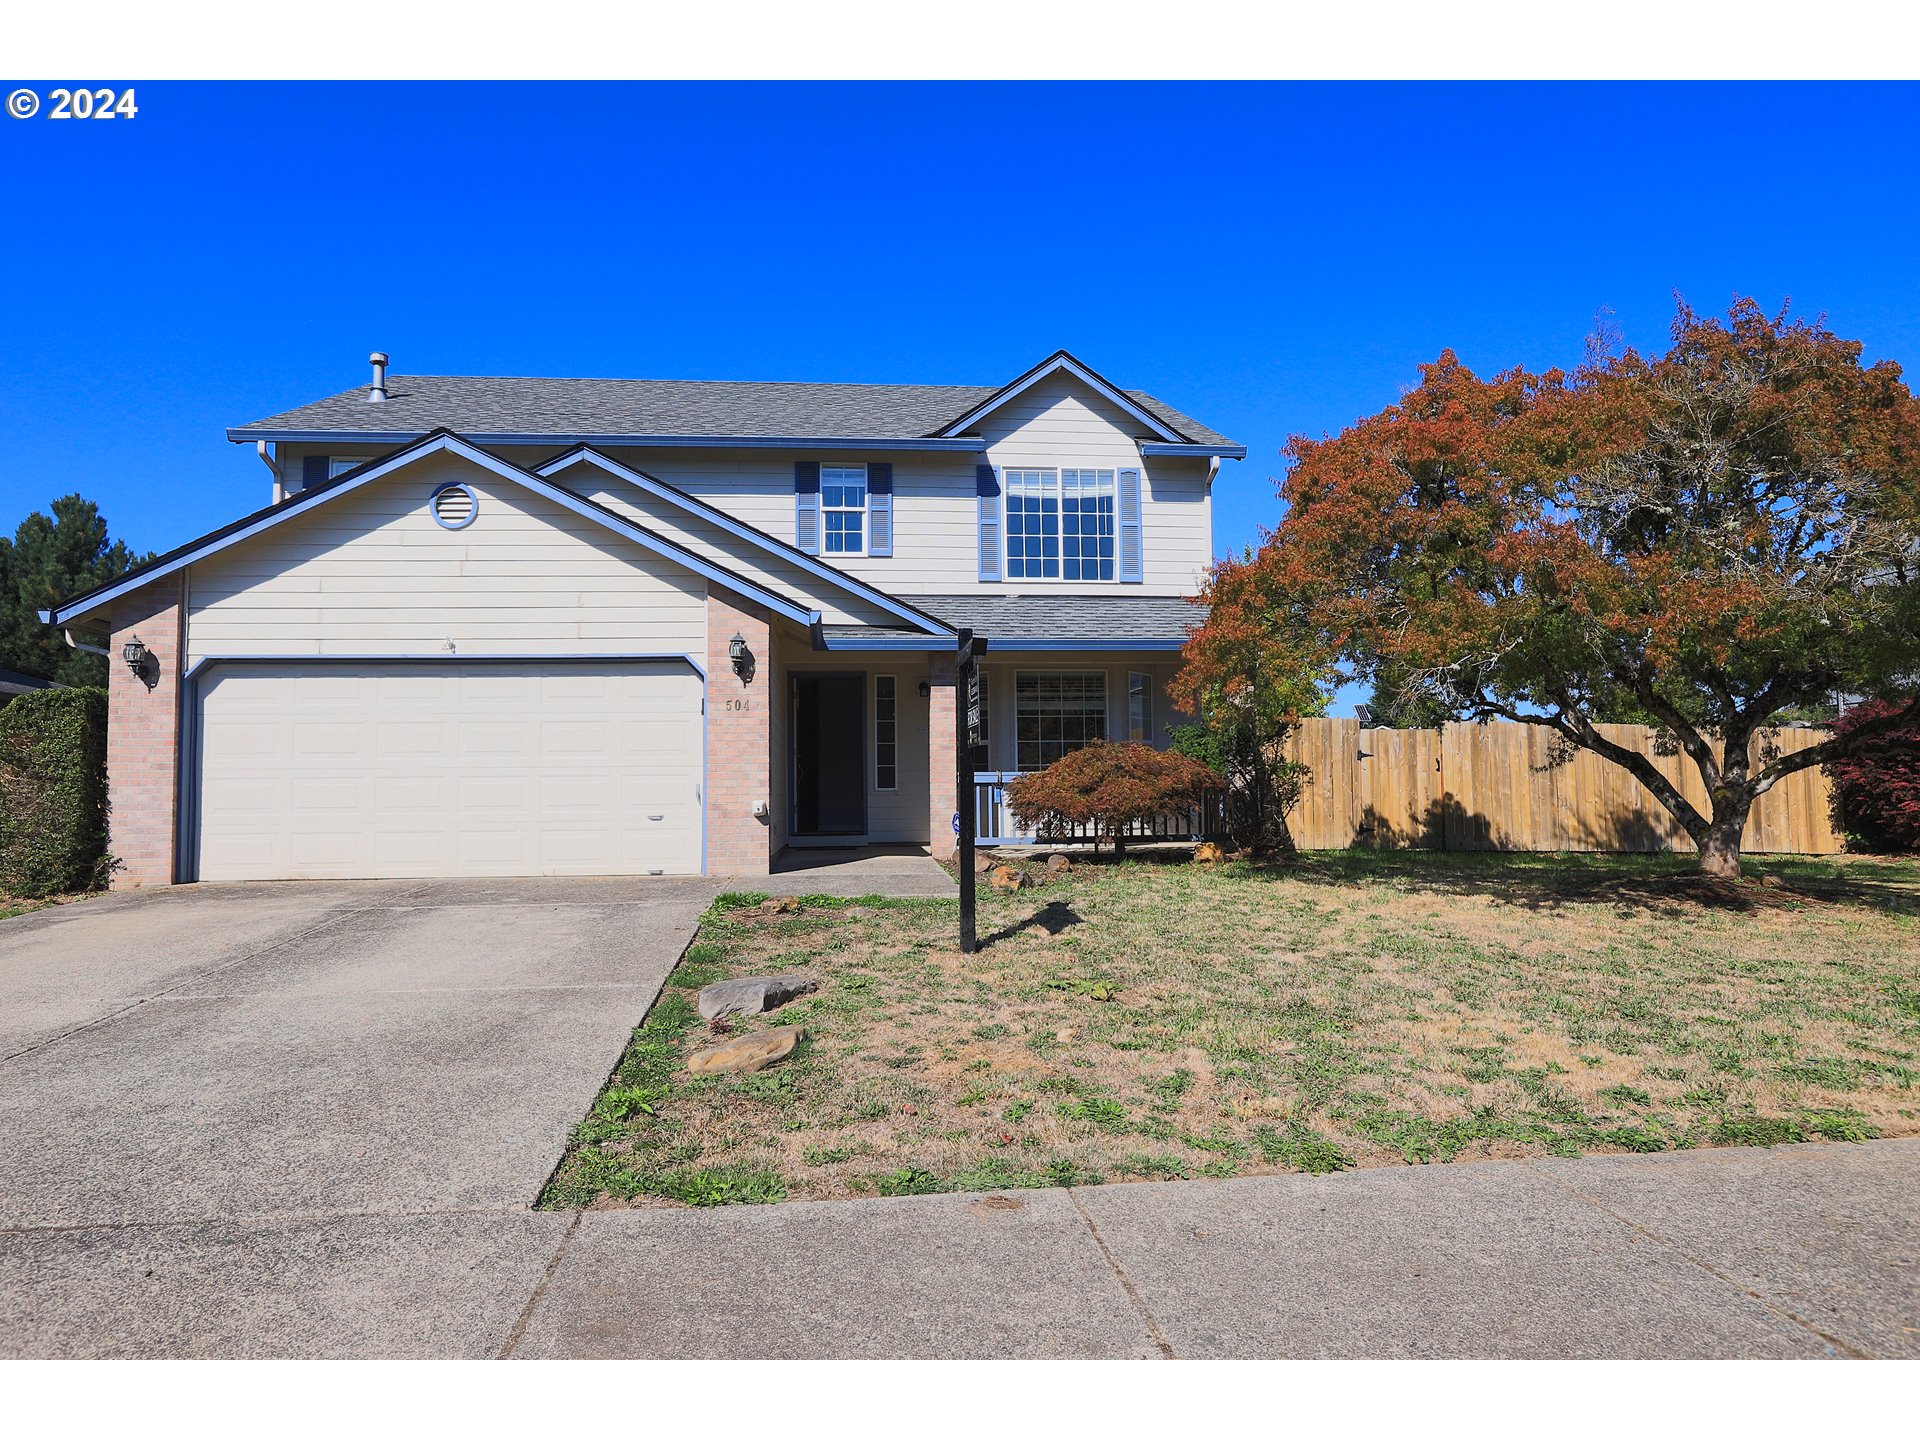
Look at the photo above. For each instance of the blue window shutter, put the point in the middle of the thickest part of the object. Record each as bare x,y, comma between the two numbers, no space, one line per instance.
987,486
1132,566
806,505
879,509
313,470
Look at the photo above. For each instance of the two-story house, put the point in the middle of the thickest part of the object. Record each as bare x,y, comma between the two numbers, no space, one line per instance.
510,626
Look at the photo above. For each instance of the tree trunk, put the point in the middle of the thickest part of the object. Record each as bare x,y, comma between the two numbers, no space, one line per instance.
1720,845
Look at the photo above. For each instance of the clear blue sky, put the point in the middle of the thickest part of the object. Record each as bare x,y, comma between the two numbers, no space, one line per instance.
1271,259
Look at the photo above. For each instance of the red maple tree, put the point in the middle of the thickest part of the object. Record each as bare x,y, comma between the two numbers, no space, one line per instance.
1698,540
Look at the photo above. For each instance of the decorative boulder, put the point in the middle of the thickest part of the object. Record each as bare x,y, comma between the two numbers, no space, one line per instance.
1208,853
779,905
751,996
748,1053
1059,865
1005,877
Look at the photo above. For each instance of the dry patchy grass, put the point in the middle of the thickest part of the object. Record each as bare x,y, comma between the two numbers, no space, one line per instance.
1155,1021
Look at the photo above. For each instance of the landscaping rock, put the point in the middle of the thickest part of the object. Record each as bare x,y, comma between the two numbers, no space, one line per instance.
779,905
1059,865
983,863
748,1053
1005,877
1208,853
751,996
1772,882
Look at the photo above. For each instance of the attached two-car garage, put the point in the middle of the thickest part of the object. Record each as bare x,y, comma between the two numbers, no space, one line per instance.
403,768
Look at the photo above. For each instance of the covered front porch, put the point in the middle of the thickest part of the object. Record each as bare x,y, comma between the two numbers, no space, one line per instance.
865,724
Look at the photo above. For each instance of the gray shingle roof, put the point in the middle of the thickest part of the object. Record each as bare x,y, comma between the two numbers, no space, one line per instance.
481,405
1106,618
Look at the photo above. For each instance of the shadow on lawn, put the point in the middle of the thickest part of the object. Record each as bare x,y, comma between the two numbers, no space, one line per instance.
1052,917
1666,883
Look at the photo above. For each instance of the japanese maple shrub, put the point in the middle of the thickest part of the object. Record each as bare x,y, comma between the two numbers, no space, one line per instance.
1698,540
1109,788
1876,788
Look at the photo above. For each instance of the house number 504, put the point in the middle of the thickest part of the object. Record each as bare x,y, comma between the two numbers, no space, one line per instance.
739,704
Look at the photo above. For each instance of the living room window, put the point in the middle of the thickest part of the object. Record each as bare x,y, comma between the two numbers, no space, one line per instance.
1055,714
1060,524
843,509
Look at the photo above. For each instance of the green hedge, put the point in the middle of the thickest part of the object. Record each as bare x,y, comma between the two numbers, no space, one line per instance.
53,792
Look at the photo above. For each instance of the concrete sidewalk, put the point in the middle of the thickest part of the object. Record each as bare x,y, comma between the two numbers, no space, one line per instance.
1808,1250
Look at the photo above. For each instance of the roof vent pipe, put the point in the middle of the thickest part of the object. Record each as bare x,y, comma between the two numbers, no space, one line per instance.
379,361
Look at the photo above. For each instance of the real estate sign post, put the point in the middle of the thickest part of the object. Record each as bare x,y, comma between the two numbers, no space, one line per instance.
966,737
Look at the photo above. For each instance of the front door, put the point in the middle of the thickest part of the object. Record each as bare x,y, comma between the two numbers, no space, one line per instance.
829,754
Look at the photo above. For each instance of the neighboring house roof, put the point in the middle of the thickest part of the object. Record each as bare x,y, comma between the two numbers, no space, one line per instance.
314,496
18,682
1043,622
497,410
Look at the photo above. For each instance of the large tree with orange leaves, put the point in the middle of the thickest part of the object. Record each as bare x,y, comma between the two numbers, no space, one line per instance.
1705,538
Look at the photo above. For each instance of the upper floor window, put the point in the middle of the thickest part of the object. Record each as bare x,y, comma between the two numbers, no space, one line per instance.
1060,524
843,509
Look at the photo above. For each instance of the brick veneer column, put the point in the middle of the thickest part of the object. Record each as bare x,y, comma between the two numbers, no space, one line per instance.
739,739
143,736
942,732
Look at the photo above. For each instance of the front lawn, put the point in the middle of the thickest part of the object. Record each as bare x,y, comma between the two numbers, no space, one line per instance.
1159,1021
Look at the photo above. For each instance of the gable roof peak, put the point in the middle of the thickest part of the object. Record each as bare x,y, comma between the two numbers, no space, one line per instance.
1065,361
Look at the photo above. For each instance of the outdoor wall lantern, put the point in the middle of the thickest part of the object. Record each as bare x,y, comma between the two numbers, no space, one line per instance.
926,689
139,660
741,656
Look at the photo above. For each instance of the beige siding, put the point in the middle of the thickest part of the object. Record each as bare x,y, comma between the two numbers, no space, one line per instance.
1059,423
714,542
1056,423
371,573
936,515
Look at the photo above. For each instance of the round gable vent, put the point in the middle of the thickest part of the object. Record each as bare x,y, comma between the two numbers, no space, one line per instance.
454,506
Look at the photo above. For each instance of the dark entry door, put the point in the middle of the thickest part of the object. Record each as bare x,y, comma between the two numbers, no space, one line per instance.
829,754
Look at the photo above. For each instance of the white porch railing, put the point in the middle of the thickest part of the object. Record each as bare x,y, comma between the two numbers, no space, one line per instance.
994,823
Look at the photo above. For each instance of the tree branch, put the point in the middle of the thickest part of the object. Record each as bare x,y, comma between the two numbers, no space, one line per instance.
1578,730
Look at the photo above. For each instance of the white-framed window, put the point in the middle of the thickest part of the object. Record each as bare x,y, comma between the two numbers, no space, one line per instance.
843,509
1060,524
886,732
340,464
1056,713
1140,707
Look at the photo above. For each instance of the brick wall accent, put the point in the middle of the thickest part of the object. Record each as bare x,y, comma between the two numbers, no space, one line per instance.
942,733
143,735
739,739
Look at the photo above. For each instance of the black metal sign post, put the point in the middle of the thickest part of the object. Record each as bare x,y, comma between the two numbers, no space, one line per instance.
966,730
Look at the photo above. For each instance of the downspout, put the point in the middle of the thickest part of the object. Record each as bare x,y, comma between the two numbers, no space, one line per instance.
267,459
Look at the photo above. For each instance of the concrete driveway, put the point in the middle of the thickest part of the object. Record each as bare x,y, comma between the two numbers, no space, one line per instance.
309,1121
227,1052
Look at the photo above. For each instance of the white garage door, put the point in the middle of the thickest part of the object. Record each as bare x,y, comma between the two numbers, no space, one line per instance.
310,771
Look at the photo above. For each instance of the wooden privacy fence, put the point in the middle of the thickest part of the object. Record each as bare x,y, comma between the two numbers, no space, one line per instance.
1497,786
